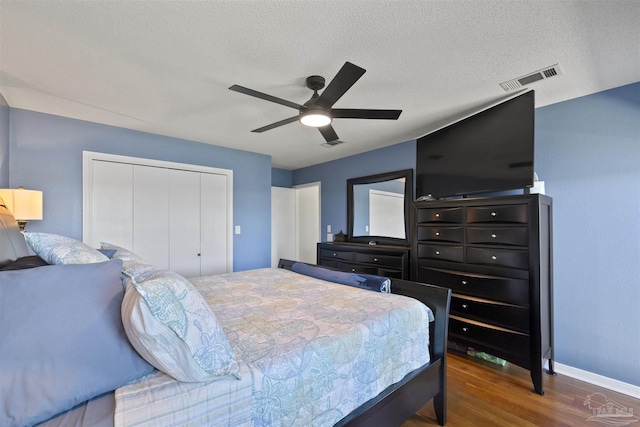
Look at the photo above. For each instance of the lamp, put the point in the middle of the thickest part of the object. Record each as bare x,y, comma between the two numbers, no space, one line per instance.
25,205
315,117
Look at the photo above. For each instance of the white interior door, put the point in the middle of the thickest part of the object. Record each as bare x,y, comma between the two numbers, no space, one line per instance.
307,222
284,237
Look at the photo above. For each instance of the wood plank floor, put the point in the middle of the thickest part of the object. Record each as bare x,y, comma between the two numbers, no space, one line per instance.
484,394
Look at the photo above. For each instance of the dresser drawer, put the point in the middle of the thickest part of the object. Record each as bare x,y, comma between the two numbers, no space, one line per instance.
516,236
441,215
506,315
491,336
328,253
504,289
353,268
498,257
328,262
441,234
382,260
505,214
441,252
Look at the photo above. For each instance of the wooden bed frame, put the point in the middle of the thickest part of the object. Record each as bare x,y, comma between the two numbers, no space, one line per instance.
398,402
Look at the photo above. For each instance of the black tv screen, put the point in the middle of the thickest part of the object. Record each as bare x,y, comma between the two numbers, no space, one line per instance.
490,151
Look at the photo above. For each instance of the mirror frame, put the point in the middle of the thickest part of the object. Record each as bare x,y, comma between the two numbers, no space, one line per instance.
407,174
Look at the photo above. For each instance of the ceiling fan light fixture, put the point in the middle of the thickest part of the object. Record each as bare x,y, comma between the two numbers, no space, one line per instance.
315,119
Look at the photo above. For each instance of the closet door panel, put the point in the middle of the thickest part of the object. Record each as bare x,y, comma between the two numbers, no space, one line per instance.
151,214
111,206
214,224
184,222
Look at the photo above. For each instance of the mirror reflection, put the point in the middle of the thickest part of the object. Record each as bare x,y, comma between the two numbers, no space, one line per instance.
378,209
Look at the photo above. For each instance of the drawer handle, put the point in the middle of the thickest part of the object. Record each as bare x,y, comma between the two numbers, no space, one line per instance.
437,215
437,252
493,214
493,257
335,254
465,306
353,269
375,260
494,235
464,329
464,282
437,233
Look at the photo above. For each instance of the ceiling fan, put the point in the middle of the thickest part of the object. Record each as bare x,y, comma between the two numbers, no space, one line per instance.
317,111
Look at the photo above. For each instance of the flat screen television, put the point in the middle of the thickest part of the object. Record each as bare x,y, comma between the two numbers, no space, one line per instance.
488,152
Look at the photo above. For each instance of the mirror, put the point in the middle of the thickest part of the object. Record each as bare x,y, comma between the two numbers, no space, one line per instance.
378,208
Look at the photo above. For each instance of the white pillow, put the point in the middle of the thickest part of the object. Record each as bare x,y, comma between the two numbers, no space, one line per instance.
56,249
172,327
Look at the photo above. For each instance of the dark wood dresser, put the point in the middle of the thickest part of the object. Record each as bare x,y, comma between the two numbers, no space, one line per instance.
495,254
379,260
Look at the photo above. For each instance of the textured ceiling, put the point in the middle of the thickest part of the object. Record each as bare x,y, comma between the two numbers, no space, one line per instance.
165,66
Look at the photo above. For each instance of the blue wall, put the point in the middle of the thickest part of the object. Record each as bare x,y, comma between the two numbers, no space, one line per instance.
281,178
588,154
4,143
333,176
46,154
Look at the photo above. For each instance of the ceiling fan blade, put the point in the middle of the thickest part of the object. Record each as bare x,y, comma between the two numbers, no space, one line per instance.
276,124
346,77
328,133
264,96
350,113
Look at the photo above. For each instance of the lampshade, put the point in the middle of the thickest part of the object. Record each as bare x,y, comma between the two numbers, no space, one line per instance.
315,118
25,205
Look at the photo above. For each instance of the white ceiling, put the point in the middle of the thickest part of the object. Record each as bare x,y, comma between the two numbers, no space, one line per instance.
165,66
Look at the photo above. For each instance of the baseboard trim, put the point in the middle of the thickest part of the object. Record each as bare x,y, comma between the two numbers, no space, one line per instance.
599,380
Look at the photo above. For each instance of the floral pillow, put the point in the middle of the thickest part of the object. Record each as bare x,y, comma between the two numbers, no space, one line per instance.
170,324
129,259
56,249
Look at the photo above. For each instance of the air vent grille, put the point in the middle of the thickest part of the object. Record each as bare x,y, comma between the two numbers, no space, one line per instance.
545,73
332,143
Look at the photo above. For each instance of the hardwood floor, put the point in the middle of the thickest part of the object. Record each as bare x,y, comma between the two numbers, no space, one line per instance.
484,394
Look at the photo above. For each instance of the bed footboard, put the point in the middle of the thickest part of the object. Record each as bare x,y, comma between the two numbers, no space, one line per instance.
400,401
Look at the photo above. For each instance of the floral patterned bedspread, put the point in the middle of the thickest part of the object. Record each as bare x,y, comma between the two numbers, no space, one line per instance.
315,350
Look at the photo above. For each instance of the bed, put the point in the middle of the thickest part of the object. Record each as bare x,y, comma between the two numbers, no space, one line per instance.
289,348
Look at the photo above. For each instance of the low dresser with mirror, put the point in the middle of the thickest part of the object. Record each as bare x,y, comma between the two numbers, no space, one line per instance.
378,214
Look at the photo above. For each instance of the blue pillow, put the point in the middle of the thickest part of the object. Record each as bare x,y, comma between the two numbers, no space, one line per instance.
62,339
362,281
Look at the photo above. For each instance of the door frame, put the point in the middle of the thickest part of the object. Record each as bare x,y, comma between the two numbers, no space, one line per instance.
88,157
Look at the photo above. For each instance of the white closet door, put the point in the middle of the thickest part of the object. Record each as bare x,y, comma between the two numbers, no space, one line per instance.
184,222
176,216
151,214
214,223
110,207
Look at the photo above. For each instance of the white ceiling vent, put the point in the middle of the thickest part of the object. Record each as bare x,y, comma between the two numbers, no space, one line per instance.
332,143
545,73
